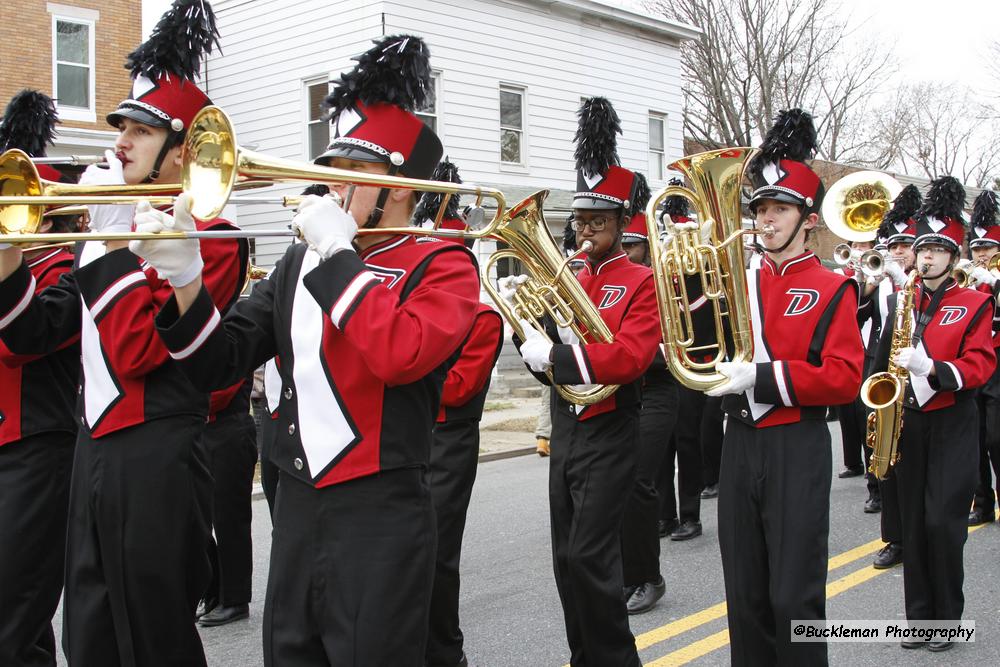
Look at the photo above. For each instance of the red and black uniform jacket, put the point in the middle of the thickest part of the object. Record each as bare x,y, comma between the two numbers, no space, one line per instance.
626,300
958,339
364,340
807,345
128,377
468,381
37,393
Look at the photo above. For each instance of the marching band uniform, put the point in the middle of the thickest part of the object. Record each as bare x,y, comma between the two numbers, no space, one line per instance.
594,448
776,466
140,491
455,446
644,584
936,475
37,431
453,462
365,339
985,236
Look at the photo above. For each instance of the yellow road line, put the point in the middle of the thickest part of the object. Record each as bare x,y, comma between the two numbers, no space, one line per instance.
702,647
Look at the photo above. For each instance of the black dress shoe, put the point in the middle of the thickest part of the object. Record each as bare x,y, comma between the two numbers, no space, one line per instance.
710,491
888,556
977,517
205,606
224,615
852,471
906,643
627,592
937,647
665,527
686,531
873,505
646,597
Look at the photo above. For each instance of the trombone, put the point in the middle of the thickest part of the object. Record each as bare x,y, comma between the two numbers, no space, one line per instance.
212,166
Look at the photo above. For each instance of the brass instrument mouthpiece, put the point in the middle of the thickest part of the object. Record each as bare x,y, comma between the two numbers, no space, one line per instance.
586,246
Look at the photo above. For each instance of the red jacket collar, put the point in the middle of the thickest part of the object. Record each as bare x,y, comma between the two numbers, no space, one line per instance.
605,264
794,265
388,244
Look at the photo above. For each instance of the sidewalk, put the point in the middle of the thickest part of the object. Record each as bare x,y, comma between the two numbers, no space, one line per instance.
507,430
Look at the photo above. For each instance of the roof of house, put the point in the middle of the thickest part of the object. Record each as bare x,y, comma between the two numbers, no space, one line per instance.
616,11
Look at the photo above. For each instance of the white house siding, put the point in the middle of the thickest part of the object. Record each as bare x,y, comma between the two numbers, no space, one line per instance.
557,55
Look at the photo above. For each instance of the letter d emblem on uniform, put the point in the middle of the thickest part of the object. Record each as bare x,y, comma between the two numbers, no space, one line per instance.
612,295
803,300
952,314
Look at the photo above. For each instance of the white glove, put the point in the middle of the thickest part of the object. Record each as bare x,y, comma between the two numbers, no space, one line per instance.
895,271
536,349
507,287
742,376
177,261
983,276
915,360
108,218
324,225
567,336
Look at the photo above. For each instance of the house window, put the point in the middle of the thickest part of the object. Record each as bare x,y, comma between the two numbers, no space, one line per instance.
511,125
73,67
317,125
657,134
430,111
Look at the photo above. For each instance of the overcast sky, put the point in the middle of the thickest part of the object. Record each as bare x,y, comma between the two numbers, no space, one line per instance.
937,40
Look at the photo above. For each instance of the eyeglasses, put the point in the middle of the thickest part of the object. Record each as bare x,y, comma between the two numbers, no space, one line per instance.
935,249
596,224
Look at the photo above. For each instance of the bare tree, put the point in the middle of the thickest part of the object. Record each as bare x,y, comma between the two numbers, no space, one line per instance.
759,56
947,130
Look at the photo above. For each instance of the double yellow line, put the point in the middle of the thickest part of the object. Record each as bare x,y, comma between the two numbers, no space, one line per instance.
716,641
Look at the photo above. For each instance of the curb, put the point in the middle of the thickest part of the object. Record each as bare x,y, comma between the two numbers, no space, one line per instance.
258,491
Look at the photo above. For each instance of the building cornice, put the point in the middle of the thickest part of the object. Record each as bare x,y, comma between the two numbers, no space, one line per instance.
668,27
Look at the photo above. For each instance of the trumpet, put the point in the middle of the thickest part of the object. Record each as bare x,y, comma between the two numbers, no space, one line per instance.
962,273
871,263
212,166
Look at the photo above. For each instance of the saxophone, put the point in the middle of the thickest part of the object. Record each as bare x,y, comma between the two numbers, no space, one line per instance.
884,392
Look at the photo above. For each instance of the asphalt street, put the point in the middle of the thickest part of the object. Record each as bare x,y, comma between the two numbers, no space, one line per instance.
511,613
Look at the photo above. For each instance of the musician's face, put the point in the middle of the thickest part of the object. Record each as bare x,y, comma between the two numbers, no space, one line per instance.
982,253
862,245
138,145
904,253
638,253
364,199
606,238
937,258
784,218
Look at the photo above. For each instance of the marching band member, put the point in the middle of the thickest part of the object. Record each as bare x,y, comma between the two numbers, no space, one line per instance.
140,492
680,508
774,486
594,448
37,431
897,233
984,241
950,355
365,328
644,584
455,447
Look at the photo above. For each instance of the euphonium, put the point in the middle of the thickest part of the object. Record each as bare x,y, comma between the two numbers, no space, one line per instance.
716,178
551,289
884,392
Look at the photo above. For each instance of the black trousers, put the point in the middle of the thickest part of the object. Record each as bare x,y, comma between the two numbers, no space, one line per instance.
711,439
34,494
936,474
454,458
989,454
774,525
853,433
591,470
268,471
136,550
351,572
640,539
685,447
232,455
891,519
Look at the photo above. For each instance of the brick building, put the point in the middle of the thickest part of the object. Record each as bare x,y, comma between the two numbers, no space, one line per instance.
74,51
